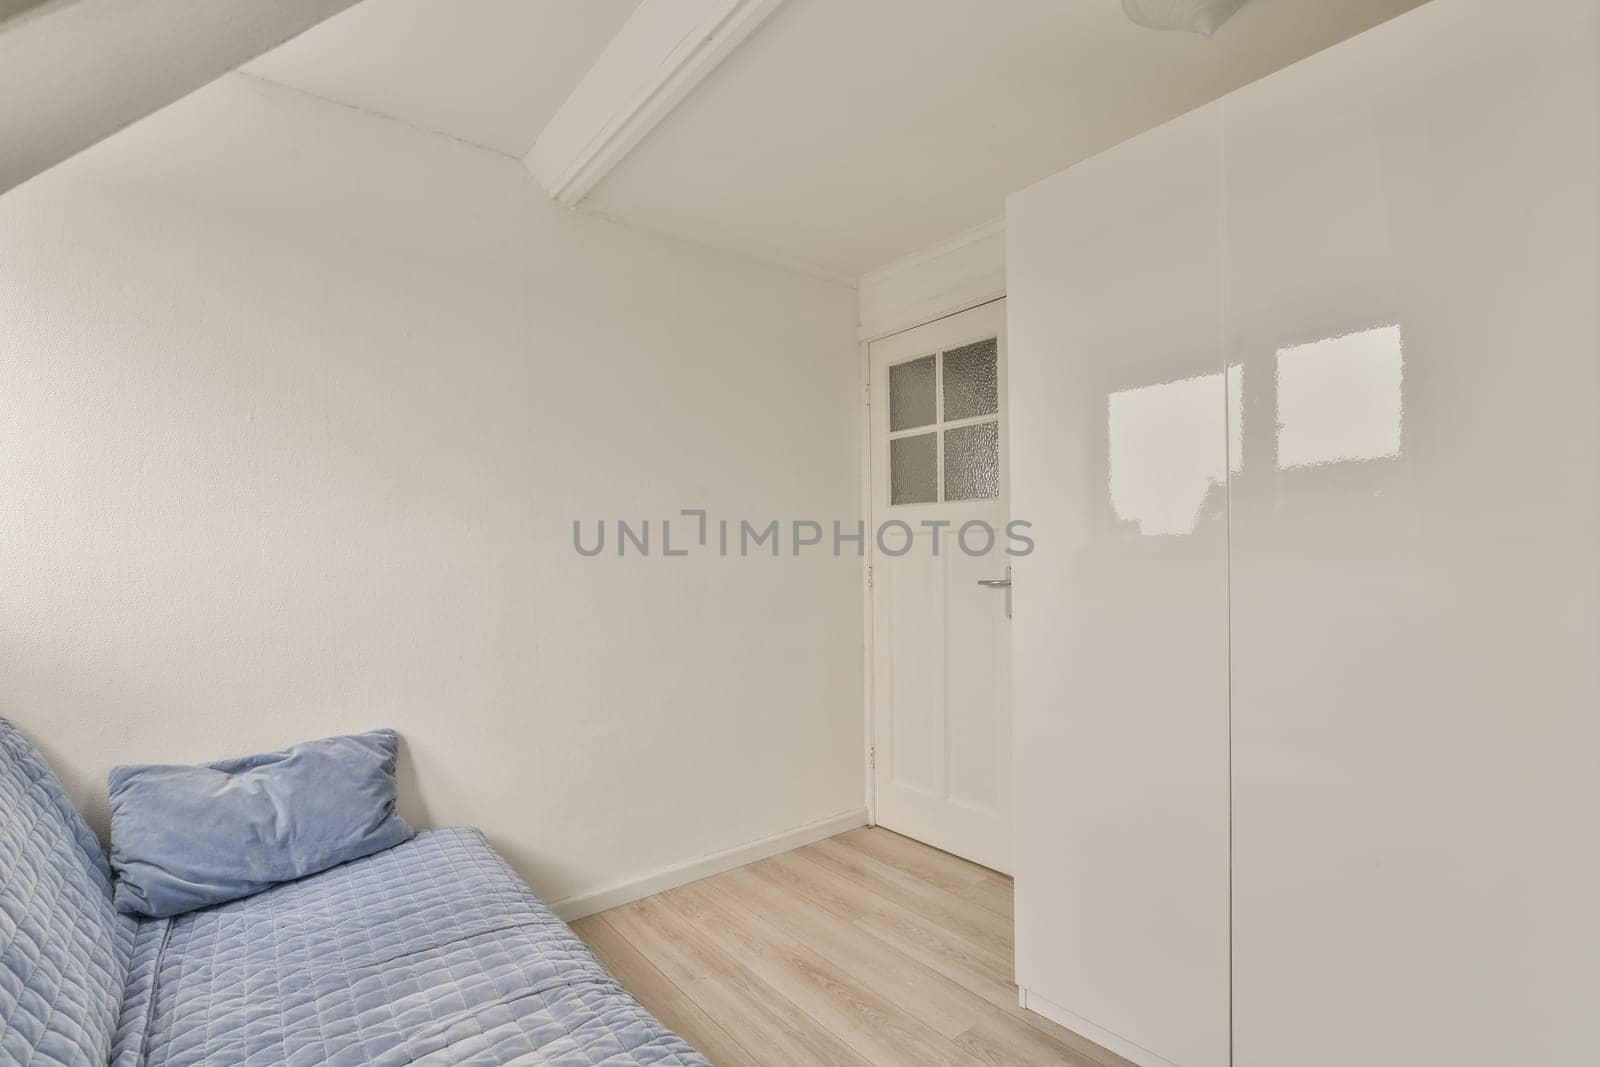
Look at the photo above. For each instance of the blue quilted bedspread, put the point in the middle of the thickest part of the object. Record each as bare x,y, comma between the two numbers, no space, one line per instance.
432,952
63,948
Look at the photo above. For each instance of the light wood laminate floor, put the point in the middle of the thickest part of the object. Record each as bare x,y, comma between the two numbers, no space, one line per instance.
867,948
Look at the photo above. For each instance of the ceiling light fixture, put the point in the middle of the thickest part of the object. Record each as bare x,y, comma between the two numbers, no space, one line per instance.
1196,16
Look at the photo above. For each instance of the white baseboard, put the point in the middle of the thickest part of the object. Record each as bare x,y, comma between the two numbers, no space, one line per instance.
658,881
1084,1028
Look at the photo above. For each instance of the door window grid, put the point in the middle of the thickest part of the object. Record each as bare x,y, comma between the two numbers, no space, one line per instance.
915,476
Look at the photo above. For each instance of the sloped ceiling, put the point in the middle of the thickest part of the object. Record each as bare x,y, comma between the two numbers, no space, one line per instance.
845,134
491,72
840,136
9,8
73,72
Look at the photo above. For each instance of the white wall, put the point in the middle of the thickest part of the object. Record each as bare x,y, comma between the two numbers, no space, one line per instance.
297,407
965,269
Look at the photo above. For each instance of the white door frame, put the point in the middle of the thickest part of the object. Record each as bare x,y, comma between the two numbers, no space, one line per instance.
868,646
863,392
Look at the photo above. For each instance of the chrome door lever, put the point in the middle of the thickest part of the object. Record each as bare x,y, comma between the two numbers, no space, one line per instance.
1000,583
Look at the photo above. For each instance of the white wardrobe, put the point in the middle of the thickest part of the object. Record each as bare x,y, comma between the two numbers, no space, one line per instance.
1305,393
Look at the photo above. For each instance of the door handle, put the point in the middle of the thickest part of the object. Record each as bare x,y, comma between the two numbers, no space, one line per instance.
1000,583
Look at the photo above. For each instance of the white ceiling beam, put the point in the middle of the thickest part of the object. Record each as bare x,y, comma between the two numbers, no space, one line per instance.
662,52
73,72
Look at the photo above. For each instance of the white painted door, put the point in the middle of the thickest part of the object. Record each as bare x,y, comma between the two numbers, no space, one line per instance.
941,629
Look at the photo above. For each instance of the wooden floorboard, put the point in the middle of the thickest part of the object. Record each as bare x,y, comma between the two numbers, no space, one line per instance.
866,948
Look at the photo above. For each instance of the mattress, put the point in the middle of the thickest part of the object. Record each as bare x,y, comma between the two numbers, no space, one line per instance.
432,952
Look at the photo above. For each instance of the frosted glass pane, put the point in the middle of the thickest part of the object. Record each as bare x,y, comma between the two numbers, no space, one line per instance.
971,383
972,462
913,478
911,393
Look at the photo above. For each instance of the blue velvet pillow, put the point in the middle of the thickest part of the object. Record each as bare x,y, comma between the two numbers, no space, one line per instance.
186,837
